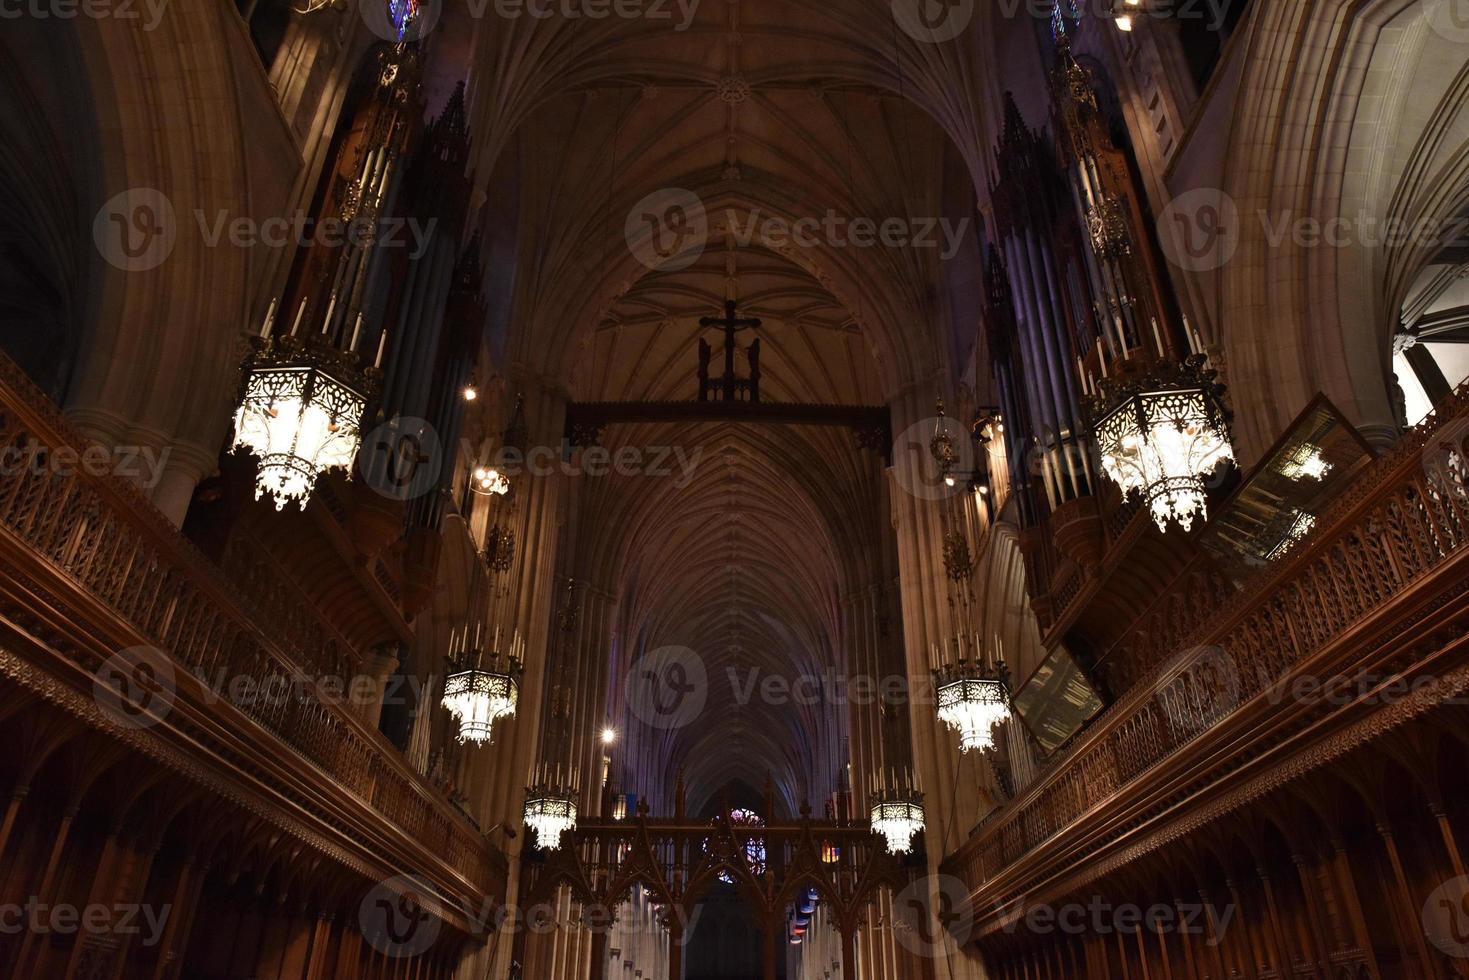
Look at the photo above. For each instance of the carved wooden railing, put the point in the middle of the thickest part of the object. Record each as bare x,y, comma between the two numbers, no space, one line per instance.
102,553
1406,519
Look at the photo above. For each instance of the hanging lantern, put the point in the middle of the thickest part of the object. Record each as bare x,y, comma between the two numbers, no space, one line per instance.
489,481
897,814
897,810
972,698
550,808
301,413
483,687
941,446
1162,435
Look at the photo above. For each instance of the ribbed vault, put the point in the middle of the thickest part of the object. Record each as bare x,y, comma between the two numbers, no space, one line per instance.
762,109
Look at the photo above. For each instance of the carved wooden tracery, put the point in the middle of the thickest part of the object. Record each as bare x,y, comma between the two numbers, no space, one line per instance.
678,861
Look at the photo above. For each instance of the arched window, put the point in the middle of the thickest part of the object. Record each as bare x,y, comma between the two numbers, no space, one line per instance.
1431,350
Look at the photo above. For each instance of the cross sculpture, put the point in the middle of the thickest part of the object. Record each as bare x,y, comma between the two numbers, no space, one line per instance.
729,388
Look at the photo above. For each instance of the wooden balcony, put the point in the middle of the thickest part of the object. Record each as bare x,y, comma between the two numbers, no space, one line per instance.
1377,595
91,568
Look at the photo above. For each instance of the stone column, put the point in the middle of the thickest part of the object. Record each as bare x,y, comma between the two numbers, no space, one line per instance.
950,784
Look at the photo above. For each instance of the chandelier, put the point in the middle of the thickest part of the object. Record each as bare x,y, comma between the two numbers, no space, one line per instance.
301,413
482,687
1162,434
489,481
897,812
550,807
973,695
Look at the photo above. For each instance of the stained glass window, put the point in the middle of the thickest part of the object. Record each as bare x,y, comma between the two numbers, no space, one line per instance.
754,847
401,14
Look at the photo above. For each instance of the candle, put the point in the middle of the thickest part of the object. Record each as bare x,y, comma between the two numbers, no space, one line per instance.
1158,338
269,320
382,342
330,309
1193,344
356,332
1121,336
1101,357
299,314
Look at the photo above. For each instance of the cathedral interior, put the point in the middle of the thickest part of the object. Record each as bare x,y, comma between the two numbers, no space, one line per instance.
734,489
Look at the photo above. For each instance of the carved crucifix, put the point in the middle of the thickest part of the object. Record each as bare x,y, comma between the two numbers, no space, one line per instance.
729,388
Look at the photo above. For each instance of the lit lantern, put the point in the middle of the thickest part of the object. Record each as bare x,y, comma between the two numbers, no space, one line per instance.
972,698
897,814
482,687
301,414
489,481
550,808
1161,437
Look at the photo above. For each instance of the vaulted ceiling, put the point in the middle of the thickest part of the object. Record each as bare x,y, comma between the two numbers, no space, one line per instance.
758,108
